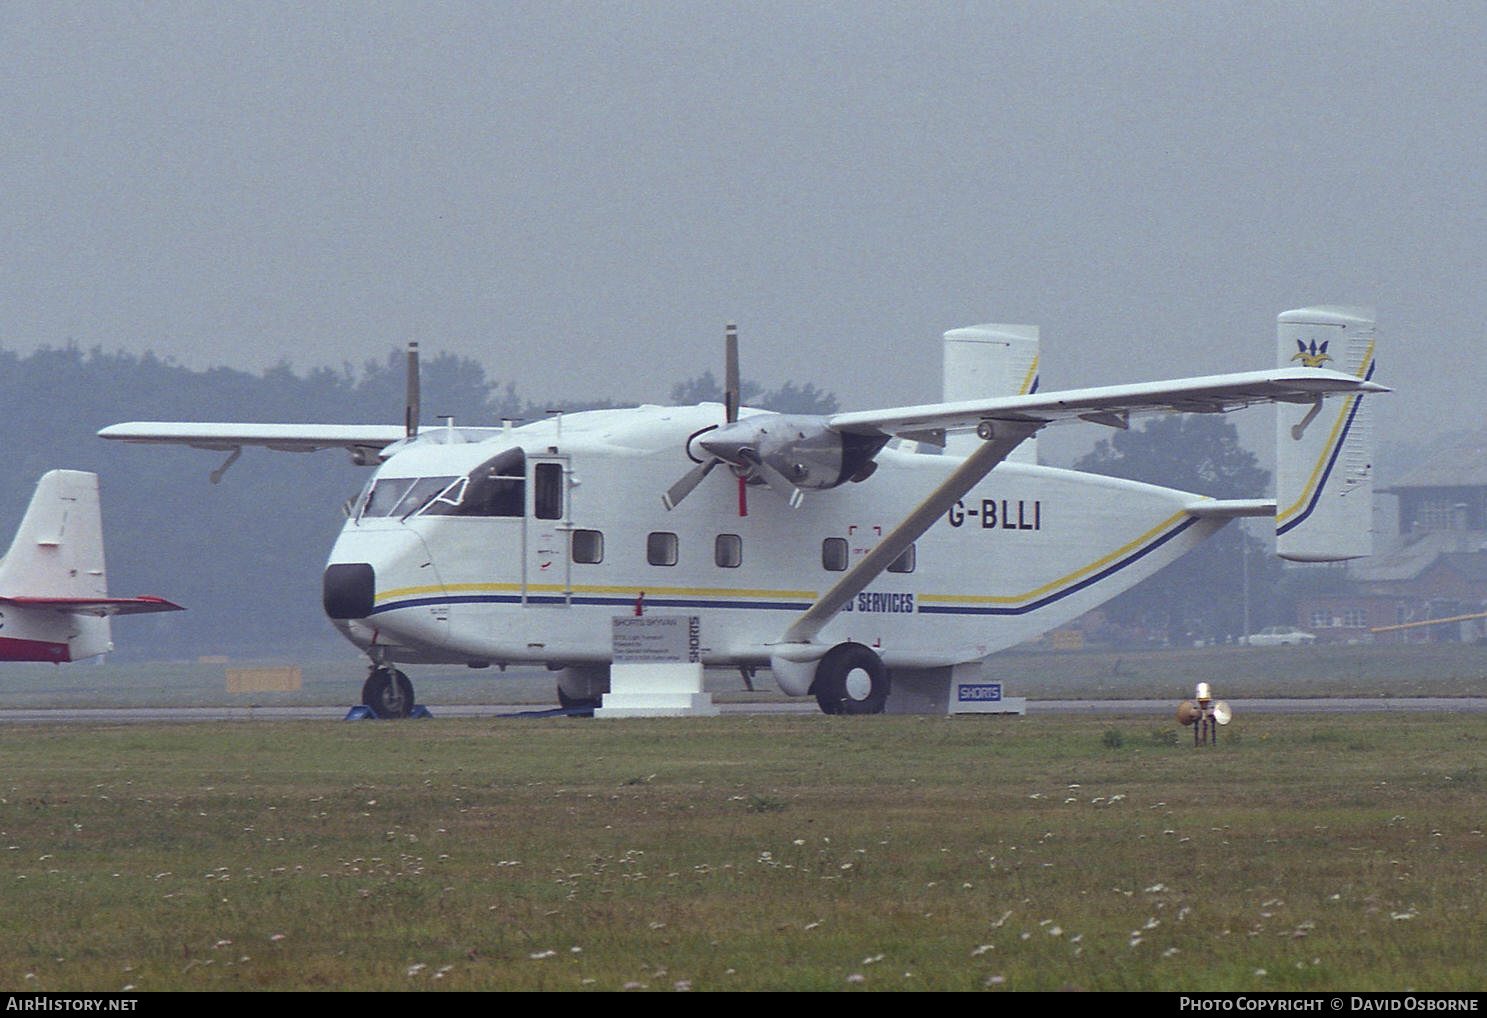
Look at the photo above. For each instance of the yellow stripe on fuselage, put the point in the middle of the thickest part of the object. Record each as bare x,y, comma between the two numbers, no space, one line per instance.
1067,579
590,589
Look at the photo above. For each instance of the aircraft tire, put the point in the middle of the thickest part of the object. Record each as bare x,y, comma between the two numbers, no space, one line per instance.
388,693
851,679
583,706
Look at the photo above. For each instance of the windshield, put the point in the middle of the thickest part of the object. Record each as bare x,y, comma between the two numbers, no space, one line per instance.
404,496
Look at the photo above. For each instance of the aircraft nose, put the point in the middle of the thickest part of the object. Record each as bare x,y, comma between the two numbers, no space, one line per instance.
347,590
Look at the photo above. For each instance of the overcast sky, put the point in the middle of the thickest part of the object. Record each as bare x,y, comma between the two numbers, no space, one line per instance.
581,194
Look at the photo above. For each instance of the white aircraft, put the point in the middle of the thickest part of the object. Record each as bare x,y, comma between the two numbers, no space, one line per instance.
54,603
837,550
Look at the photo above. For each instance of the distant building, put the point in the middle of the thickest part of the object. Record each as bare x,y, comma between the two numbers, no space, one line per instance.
1435,569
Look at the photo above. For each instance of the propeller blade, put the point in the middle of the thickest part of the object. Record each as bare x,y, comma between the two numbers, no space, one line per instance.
682,488
410,406
772,477
731,381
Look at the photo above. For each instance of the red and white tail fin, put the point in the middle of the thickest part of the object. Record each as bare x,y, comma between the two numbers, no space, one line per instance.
1324,450
54,602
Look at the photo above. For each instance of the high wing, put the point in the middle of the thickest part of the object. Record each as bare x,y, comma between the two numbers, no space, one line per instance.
1005,422
1112,405
363,441
280,437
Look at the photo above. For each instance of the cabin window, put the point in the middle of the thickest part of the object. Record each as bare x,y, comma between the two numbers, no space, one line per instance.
588,546
728,551
834,554
548,493
904,563
498,487
660,549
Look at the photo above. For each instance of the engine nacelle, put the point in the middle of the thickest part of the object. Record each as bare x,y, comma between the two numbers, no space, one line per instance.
801,448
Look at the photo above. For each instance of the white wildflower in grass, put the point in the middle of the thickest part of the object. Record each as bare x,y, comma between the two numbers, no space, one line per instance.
416,968
540,955
872,959
995,980
982,949
857,978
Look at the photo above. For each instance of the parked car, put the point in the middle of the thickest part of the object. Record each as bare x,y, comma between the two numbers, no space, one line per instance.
1280,636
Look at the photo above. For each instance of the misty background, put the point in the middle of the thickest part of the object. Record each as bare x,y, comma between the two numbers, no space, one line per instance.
576,196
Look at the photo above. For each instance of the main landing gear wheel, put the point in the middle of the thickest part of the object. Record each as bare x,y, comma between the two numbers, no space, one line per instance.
851,679
388,693
583,706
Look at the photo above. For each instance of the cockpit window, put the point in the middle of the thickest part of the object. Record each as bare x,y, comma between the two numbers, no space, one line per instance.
497,487
386,494
404,496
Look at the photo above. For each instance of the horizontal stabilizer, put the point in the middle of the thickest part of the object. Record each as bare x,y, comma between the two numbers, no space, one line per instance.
100,606
1231,508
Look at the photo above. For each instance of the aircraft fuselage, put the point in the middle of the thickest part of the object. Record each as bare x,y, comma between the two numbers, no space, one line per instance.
521,547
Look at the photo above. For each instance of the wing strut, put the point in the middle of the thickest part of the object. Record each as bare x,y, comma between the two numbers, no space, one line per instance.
1006,436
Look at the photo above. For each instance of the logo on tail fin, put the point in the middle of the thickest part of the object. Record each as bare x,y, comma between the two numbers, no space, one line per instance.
1313,357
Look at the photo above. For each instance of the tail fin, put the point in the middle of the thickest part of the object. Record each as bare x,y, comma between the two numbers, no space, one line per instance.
990,360
52,584
58,550
1324,451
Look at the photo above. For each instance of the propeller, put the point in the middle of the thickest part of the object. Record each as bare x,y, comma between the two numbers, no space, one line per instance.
730,445
410,405
788,452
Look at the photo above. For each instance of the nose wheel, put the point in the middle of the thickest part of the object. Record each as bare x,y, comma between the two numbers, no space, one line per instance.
388,693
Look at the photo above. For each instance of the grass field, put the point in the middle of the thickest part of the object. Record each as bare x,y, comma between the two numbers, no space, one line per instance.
746,853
